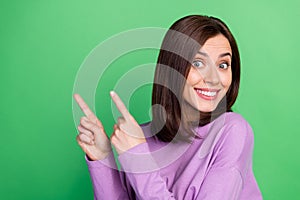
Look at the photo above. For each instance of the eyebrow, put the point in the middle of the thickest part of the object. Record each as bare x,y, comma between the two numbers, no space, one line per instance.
220,56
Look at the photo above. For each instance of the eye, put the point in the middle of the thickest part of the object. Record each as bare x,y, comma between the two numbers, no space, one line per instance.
224,65
198,63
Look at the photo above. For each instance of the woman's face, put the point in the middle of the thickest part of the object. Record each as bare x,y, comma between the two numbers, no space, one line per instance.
210,75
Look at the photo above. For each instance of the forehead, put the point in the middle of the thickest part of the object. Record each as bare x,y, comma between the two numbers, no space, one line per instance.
217,43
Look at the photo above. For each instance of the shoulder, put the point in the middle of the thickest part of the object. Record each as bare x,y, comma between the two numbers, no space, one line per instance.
235,125
233,118
234,146
236,139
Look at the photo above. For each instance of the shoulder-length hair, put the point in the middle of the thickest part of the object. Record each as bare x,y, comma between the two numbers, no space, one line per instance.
179,47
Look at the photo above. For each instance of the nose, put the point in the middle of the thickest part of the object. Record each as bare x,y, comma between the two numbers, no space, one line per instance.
211,75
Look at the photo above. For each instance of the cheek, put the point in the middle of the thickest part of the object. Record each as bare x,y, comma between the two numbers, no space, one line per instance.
226,79
193,77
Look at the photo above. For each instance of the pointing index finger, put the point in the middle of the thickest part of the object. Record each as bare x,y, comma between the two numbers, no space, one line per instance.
84,107
120,105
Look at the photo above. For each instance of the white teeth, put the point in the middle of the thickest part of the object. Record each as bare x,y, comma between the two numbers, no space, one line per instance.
206,93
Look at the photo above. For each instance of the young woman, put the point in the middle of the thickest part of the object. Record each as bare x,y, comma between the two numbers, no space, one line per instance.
195,147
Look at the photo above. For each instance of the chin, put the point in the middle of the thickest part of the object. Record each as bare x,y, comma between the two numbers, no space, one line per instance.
201,107
206,109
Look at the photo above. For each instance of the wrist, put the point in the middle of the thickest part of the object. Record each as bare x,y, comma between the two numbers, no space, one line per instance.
101,156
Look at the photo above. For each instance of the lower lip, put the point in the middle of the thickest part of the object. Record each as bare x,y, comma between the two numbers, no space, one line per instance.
206,97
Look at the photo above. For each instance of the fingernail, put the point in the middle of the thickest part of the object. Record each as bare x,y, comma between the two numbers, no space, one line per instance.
112,93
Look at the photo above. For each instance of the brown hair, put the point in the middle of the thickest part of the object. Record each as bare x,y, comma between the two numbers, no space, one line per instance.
181,43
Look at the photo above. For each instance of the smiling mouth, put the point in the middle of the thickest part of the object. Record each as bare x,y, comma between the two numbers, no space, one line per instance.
207,94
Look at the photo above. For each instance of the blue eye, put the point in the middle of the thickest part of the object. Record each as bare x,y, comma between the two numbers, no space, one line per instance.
197,63
224,65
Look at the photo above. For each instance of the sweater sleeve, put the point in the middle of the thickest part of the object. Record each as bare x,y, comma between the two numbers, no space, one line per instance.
233,157
143,174
106,179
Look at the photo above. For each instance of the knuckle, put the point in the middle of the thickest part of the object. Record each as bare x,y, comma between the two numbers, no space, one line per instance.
79,142
85,118
116,127
94,127
82,120
120,120
117,133
121,126
112,135
88,125
84,137
83,123
80,138
113,139
83,133
88,133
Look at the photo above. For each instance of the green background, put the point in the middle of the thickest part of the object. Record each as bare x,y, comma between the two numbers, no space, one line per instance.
43,44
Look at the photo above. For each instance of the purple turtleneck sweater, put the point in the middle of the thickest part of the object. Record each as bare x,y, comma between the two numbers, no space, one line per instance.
217,165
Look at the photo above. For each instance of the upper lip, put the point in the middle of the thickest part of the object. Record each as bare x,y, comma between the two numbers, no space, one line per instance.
208,89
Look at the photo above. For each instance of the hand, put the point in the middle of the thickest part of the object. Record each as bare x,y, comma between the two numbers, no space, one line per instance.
127,133
92,137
